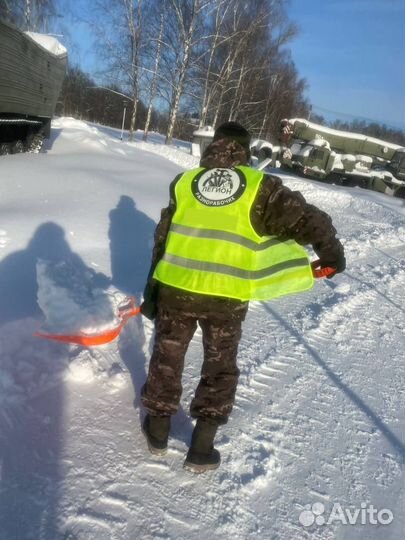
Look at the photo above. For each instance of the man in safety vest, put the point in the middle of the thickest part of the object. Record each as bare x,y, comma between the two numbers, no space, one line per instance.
229,235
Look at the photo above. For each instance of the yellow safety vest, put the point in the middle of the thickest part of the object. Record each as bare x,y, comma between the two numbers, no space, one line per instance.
213,249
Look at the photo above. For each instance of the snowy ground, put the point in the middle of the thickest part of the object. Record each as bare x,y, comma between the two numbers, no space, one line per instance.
320,409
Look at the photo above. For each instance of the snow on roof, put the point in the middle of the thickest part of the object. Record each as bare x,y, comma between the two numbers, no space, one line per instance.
341,133
205,131
50,43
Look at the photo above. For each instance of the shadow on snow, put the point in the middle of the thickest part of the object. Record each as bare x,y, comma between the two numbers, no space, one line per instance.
131,241
31,394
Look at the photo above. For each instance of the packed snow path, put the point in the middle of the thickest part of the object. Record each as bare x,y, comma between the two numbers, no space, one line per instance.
319,414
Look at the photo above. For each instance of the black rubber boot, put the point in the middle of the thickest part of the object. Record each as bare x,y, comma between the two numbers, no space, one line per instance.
156,430
202,455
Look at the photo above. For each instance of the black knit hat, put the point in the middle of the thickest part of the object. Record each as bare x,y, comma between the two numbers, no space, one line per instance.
235,132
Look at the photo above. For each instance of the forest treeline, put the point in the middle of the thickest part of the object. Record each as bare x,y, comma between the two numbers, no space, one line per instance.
176,65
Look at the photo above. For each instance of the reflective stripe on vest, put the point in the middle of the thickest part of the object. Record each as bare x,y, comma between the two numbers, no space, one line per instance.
213,249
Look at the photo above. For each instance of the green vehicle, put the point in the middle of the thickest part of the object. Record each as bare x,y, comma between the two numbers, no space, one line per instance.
397,164
342,157
32,69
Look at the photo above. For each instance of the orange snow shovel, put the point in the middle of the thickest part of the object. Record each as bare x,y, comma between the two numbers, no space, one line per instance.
321,272
125,312
128,310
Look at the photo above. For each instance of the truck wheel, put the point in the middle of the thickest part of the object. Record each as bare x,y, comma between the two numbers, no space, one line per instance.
335,178
18,147
4,149
36,143
400,192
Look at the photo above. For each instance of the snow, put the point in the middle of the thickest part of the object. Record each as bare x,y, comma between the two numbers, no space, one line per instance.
206,131
50,43
70,299
319,414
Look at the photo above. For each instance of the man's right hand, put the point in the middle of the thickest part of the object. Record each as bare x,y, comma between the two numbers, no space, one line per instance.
150,297
339,264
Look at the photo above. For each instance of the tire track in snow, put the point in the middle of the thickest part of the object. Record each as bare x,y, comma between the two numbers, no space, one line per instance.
346,466
358,417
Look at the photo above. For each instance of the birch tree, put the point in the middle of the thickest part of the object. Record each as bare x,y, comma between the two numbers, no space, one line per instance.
232,72
215,59
182,36
118,28
31,15
154,79
248,55
208,73
133,12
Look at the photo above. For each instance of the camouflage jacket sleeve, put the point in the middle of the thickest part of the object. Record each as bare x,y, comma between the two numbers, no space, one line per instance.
162,228
151,291
285,213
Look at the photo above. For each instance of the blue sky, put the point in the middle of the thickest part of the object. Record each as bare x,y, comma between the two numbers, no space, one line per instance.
351,52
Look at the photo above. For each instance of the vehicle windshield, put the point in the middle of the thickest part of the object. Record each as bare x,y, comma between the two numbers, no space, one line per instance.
399,160
316,152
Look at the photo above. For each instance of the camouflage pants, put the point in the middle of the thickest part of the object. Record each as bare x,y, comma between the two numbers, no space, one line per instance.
215,393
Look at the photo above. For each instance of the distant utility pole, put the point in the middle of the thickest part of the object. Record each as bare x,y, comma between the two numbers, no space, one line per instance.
28,14
125,103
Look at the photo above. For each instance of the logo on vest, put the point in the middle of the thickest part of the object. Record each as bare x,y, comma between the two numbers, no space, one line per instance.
218,187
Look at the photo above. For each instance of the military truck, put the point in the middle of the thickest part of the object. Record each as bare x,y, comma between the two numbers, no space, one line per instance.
342,157
32,69
326,154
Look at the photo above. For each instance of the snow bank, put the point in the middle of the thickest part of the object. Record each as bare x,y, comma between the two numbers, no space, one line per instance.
178,156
